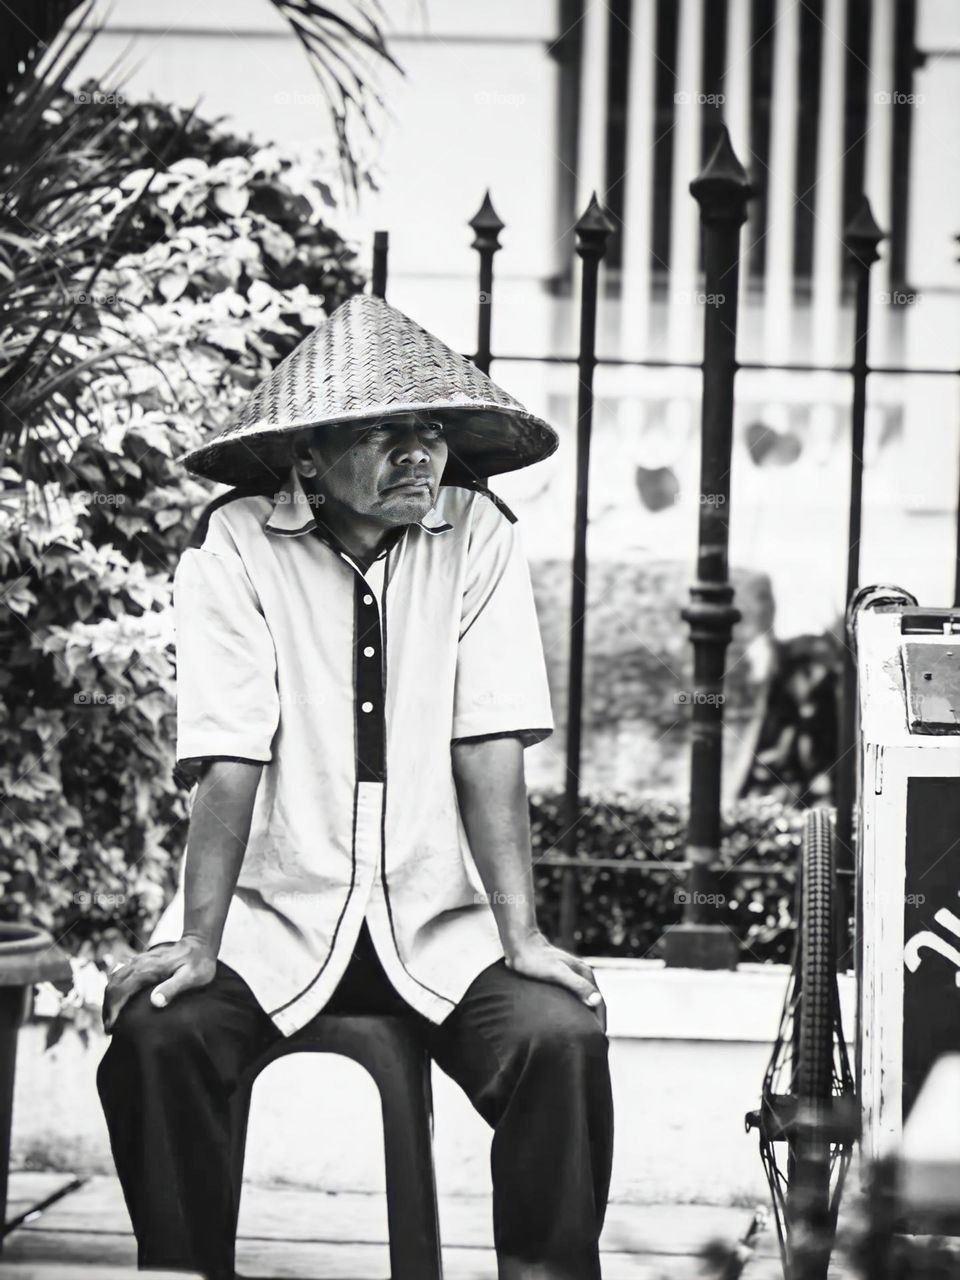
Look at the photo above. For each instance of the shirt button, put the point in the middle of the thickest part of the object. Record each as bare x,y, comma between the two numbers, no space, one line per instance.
368,599
366,706
369,651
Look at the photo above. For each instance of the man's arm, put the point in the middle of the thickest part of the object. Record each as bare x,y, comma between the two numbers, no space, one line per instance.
493,801
216,842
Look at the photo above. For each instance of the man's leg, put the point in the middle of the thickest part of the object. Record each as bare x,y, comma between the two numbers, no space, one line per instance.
165,1083
533,1061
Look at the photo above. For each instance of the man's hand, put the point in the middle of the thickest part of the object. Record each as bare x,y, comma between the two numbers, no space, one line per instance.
170,968
536,957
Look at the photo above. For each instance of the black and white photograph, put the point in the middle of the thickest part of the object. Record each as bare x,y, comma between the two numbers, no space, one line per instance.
480,628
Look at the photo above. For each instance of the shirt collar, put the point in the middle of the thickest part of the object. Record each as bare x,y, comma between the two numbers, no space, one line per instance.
295,512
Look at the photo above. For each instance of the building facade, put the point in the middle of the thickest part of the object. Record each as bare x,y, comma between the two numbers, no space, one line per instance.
547,101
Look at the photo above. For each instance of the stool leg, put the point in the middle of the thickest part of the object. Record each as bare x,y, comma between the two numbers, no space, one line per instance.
411,1184
402,1076
239,1116
13,1003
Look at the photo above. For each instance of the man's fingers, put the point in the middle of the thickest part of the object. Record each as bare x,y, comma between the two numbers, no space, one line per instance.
564,976
553,965
581,967
128,979
591,996
185,979
120,988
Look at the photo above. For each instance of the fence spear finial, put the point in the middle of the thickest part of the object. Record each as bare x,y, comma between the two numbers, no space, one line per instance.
487,226
486,221
722,188
862,235
594,227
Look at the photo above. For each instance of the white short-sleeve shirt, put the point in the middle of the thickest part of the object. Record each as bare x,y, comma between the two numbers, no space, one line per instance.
350,687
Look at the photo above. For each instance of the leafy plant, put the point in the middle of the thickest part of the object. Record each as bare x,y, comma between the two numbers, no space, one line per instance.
59,219
625,912
229,259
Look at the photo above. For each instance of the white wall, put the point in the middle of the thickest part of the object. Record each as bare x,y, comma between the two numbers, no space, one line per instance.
688,1052
477,109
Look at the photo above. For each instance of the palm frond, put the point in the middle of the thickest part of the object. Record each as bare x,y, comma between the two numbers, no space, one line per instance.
346,45
56,237
29,29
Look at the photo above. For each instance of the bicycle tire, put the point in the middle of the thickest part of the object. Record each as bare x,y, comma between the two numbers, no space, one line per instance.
809,1201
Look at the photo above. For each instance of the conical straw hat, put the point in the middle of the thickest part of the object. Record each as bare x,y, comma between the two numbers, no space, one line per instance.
369,360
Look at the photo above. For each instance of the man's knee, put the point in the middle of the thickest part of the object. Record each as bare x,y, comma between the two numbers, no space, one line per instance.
564,1029
149,1032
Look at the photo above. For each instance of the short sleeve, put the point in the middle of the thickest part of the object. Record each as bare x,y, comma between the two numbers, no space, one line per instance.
227,700
501,680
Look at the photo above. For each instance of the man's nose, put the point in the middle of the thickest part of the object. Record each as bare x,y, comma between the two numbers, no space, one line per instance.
410,448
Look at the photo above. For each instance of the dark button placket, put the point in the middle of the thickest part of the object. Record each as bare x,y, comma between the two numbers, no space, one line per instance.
368,684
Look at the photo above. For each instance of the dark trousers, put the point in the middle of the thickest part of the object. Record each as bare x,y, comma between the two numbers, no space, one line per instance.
529,1055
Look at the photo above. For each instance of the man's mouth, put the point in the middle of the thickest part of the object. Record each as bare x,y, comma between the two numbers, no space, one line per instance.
414,482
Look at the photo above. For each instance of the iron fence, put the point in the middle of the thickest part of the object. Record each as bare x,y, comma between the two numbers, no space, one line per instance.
722,191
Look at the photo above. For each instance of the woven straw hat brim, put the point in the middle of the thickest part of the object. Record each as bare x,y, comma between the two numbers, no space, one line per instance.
481,440
369,361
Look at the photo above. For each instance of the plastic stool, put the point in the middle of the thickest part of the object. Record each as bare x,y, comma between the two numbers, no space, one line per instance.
389,1050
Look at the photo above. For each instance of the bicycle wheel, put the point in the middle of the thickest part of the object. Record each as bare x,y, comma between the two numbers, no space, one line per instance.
808,1100
810,1223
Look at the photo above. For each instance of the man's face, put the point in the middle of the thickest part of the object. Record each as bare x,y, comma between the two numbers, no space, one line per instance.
386,470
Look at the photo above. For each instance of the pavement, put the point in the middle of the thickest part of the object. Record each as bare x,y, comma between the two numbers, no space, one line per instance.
286,1231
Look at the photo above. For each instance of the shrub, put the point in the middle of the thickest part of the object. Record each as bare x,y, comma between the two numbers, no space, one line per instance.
227,261
624,913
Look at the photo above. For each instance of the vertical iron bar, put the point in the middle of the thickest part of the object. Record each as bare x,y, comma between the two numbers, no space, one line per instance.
722,191
861,238
487,227
593,231
378,280
956,563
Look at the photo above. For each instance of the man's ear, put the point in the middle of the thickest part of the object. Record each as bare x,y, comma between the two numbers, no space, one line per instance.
300,454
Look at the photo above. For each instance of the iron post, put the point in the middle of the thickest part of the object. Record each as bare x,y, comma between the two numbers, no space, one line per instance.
861,238
378,278
593,231
486,227
722,190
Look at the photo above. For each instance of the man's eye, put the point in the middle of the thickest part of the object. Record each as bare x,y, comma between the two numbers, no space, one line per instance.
427,430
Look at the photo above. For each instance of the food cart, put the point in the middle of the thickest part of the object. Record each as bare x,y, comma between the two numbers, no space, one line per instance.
815,1105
